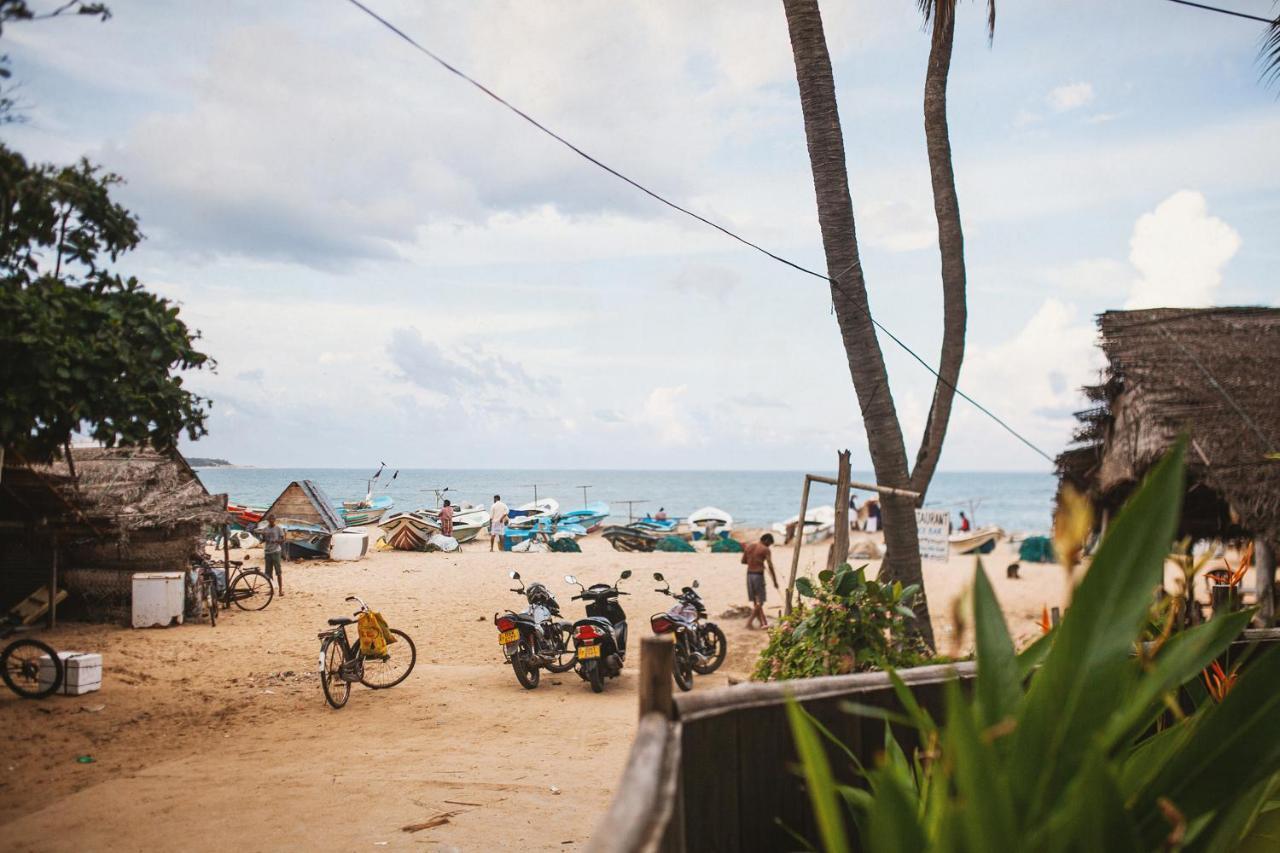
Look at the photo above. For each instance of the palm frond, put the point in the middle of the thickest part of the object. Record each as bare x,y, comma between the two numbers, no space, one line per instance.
947,8
1271,53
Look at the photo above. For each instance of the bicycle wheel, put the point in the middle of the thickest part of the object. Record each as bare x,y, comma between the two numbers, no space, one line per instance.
20,668
211,602
251,590
336,690
381,673
714,647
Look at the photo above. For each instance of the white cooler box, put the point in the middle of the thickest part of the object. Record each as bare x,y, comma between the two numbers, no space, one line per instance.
159,598
81,672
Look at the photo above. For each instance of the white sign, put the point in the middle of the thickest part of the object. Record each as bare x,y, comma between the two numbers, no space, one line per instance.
934,526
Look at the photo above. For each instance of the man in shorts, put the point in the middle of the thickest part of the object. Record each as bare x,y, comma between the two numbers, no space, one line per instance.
756,556
498,517
272,549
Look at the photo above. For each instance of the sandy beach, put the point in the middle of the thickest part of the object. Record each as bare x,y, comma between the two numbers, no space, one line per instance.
216,738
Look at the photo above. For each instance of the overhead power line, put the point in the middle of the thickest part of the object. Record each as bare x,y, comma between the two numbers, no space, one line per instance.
1222,11
452,69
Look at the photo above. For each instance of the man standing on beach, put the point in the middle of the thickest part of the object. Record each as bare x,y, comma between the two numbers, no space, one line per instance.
446,518
272,548
498,516
755,557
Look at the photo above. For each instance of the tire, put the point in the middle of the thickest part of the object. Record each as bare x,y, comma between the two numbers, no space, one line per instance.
251,590
20,668
400,660
714,646
527,675
682,666
336,690
563,643
595,676
211,602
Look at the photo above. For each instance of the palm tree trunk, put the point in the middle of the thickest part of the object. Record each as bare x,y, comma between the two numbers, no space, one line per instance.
946,208
849,296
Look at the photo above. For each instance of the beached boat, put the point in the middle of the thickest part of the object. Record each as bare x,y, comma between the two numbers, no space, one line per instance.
980,541
656,525
710,521
591,516
367,511
469,520
244,515
522,516
819,524
546,528
630,538
407,531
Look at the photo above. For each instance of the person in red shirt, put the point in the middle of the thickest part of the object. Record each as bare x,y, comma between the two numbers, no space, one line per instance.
756,556
446,519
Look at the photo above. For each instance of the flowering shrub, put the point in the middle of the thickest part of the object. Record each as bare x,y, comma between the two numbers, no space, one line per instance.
847,624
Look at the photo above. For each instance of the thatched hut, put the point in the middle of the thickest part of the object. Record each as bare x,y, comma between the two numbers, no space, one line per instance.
1212,374
99,515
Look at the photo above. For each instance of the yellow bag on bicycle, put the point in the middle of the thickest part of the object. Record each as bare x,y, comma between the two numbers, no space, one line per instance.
375,636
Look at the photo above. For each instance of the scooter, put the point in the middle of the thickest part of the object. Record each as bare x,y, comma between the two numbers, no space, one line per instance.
708,641
600,640
534,638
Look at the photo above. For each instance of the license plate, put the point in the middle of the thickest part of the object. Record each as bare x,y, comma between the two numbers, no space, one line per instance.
586,652
512,636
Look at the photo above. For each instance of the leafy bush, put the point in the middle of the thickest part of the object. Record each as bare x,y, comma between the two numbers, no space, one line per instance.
1079,743
851,624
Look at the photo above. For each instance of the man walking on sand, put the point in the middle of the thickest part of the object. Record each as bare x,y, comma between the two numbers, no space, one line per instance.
272,548
498,517
446,518
756,556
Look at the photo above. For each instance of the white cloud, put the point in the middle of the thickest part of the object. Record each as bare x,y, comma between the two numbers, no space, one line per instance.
664,414
1179,251
1070,96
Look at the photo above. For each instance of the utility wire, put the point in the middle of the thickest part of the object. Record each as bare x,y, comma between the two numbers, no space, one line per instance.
1222,11
671,204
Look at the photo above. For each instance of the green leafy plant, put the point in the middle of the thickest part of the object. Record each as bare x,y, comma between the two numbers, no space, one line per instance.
1079,743
845,623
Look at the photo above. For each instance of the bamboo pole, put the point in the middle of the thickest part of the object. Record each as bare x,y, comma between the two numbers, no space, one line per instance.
657,660
795,555
840,544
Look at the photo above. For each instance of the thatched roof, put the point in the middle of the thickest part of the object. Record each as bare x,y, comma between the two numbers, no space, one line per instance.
108,492
1213,374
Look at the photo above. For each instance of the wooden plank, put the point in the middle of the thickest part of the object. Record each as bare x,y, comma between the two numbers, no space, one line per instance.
35,605
795,556
638,820
657,654
768,789
840,546
711,761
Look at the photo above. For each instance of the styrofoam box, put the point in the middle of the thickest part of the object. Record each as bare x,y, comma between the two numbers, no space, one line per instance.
159,599
81,672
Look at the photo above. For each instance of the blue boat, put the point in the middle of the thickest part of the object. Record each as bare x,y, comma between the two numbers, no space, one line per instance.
367,511
544,526
589,517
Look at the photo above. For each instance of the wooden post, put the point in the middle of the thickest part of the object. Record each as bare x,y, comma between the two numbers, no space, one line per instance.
1055,616
53,582
657,660
1264,580
839,552
795,555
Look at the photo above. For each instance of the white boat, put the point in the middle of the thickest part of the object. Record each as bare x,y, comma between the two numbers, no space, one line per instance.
469,520
407,531
980,541
819,523
709,521
525,514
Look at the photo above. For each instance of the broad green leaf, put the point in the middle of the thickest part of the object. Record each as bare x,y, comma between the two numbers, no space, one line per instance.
893,825
919,716
804,586
1235,821
981,782
998,688
818,779
1033,655
1090,817
1073,693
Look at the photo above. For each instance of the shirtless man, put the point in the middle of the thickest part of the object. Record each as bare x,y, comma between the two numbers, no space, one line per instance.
756,557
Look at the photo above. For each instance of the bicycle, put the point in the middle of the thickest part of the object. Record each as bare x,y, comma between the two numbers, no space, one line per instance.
22,663
247,589
342,664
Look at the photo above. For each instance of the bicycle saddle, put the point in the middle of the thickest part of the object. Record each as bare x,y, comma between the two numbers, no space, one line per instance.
342,620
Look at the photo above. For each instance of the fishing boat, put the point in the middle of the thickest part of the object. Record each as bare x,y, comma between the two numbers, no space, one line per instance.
655,525
819,524
709,522
367,511
980,541
590,517
407,531
543,527
246,516
522,516
468,523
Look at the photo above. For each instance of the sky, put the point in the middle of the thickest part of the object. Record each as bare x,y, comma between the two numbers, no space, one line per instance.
386,265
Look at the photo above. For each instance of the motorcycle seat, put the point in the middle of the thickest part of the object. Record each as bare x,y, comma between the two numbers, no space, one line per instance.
342,620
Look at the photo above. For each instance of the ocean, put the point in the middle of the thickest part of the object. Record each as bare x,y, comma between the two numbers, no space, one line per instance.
1015,501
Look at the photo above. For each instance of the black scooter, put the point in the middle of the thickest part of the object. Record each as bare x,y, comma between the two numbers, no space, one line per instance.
709,645
535,638
600,640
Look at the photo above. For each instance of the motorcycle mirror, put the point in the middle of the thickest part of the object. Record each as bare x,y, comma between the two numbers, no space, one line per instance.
515,576
695,584
571,580
658,576
626,574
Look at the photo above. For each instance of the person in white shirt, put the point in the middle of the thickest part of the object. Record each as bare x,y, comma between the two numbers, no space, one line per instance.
498,517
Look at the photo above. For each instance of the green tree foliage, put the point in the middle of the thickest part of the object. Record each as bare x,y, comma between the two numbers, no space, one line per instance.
845,623
83,349
1079,743
21,10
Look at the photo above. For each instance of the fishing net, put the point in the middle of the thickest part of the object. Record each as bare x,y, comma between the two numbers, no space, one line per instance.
673,543
726,546
1036,549
566,546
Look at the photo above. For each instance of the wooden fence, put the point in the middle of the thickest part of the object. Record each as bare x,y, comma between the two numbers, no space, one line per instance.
713,770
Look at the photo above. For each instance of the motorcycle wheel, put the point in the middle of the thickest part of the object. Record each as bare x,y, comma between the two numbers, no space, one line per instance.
682,668
595,676
562,644
714,647
527,675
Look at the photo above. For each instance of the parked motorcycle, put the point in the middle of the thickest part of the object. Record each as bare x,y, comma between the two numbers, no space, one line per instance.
700,645
535,638
600,640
